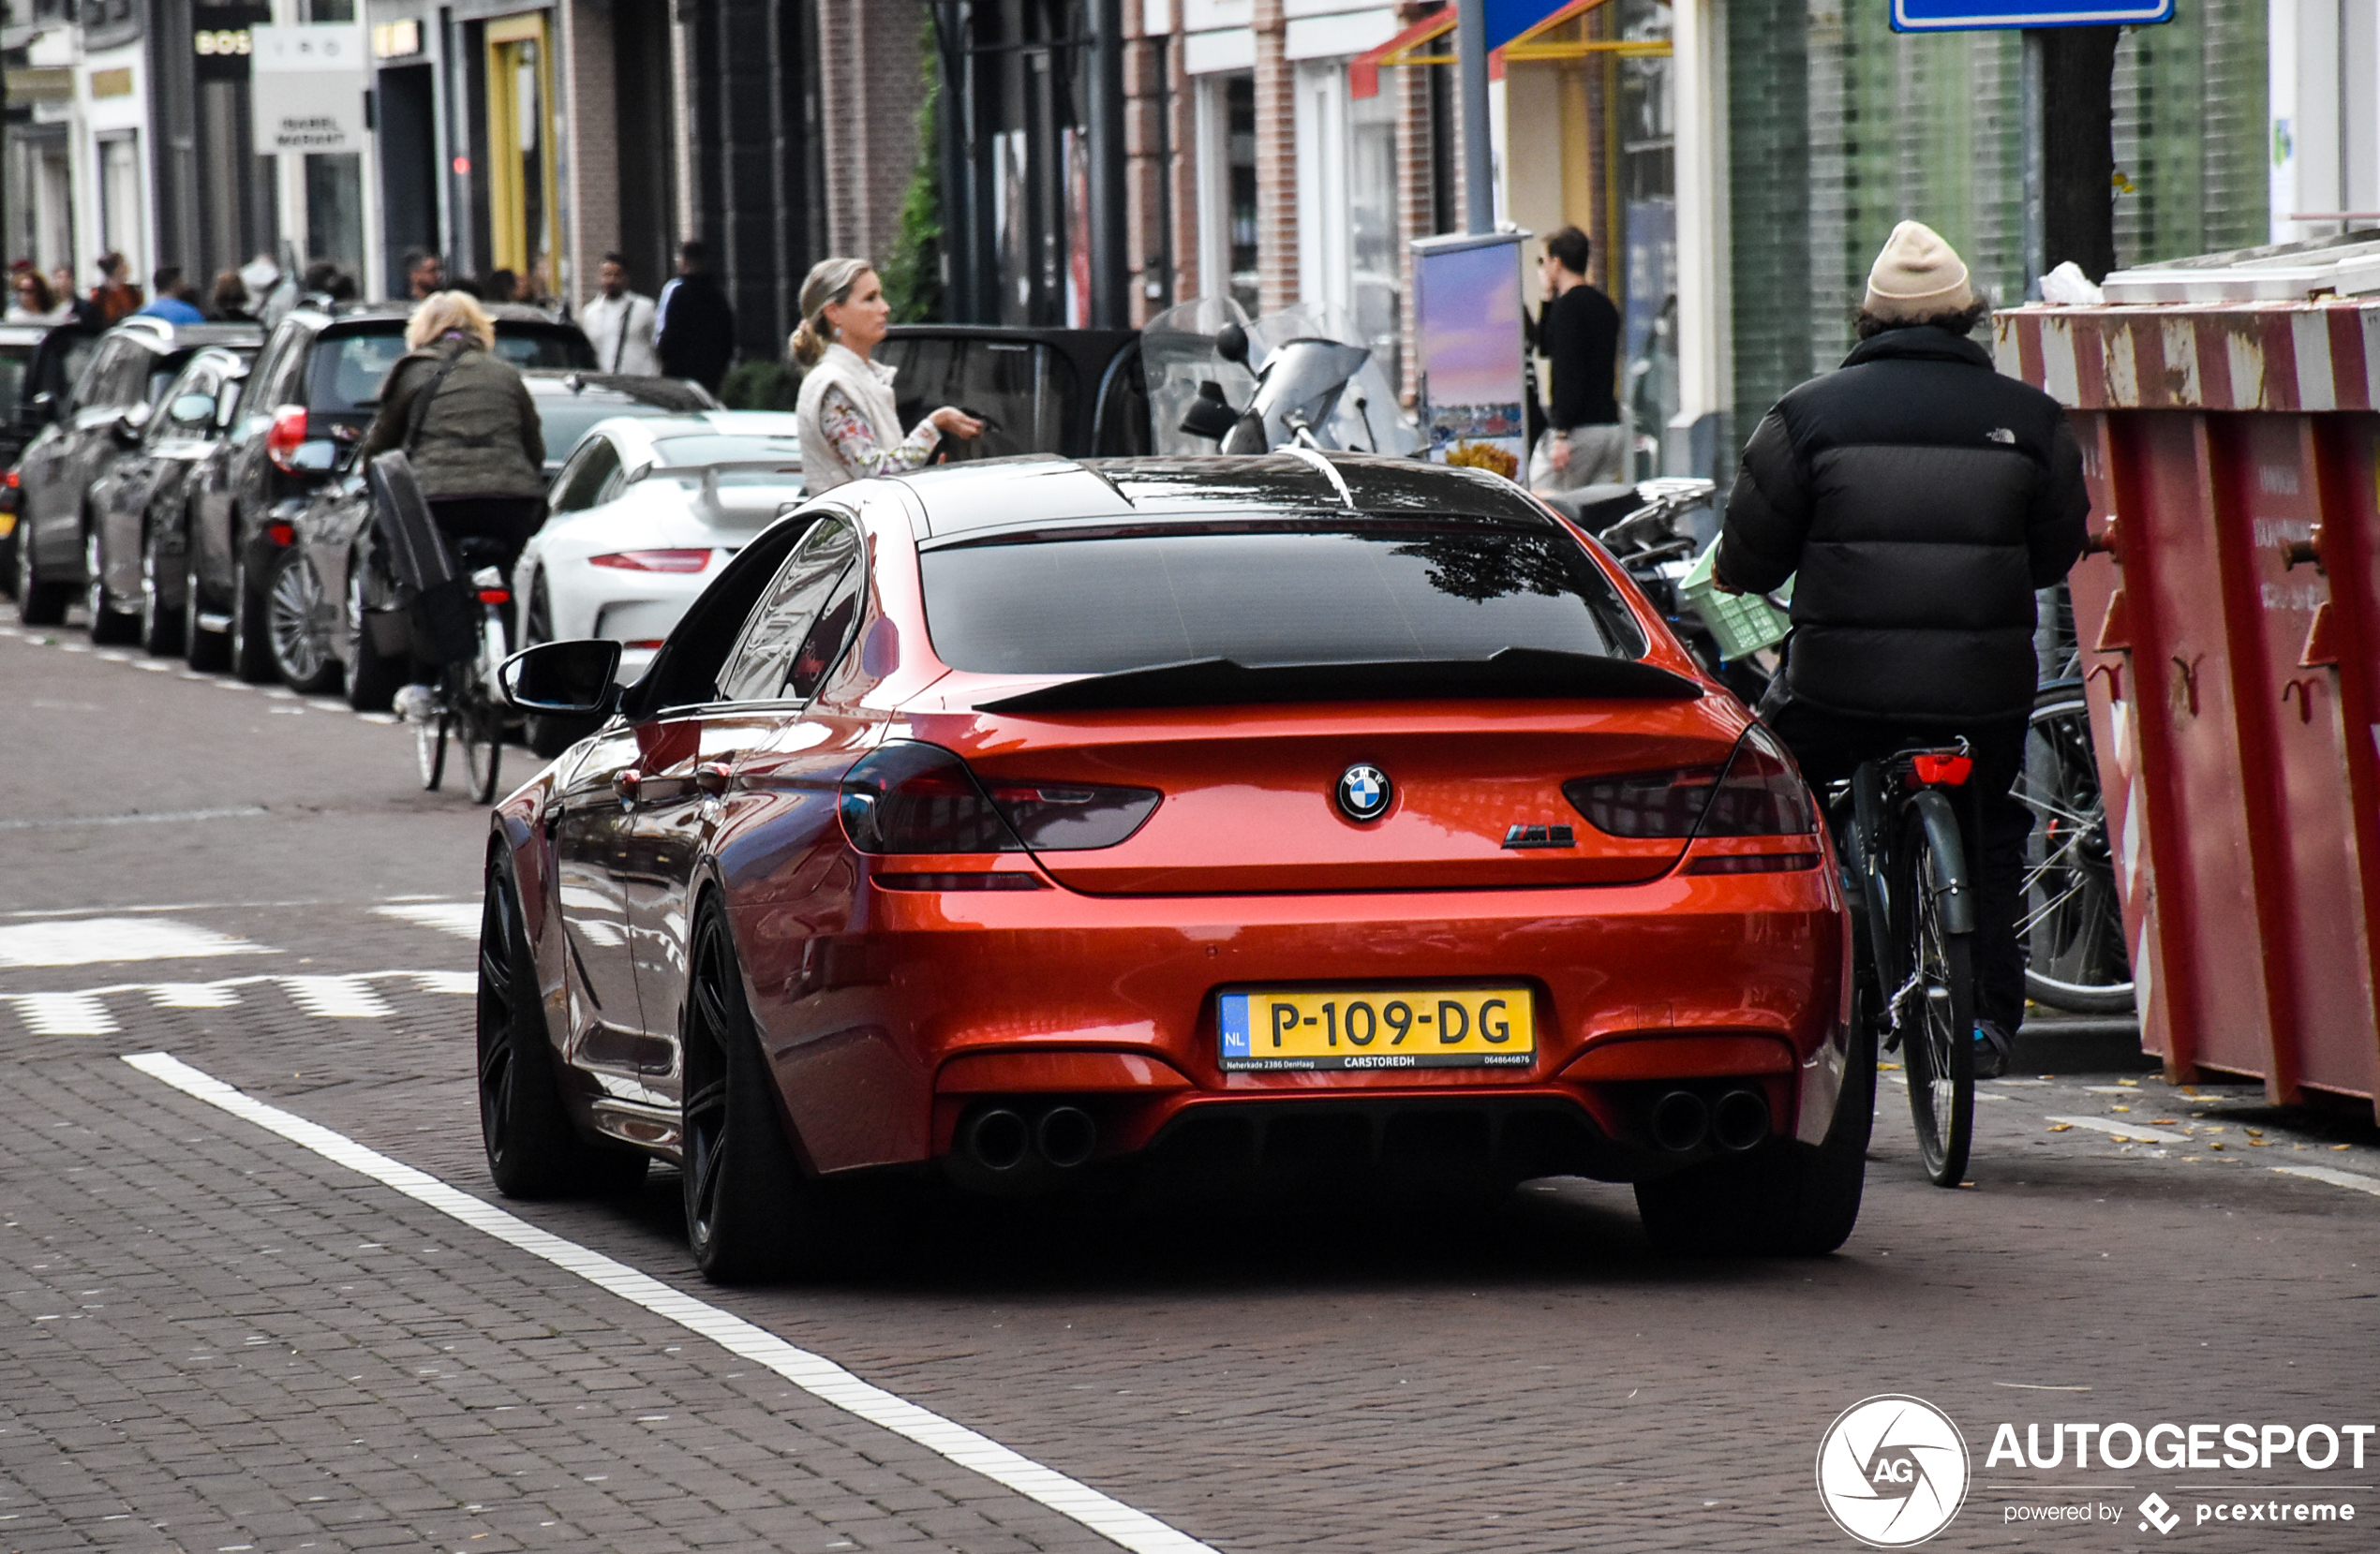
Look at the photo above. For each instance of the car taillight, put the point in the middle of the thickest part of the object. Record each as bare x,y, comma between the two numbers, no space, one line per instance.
280,534
920,798
282,441
1757,794
653,561
1645,804
1071,817
1760,795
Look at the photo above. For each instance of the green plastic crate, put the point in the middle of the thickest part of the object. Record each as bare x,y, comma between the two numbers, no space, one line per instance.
1743,624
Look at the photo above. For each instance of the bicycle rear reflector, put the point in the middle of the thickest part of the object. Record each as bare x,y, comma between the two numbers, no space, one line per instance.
1947,768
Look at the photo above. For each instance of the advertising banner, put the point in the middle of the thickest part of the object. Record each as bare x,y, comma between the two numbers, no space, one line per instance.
311,87
1471,339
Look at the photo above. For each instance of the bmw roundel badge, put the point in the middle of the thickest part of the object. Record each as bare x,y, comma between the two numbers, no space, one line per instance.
1365,792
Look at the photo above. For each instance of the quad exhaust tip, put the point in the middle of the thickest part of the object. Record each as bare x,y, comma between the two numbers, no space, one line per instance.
999,1140
1680,1120
1739,1121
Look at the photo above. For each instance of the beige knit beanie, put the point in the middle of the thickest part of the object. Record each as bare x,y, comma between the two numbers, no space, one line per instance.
1917,275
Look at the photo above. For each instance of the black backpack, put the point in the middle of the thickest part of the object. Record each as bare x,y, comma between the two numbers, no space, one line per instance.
432,589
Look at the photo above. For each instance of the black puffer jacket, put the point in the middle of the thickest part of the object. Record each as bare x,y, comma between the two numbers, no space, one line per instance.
1922,498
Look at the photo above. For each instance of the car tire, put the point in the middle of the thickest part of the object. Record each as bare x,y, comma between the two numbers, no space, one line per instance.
251,657
751,1212
1789,1200
547,734
107,624
162,624
203,650
533,1151
372,676
38,603
293,612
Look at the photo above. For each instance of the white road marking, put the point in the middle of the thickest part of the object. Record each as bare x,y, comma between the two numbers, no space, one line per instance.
820,1377
459,918
348,998
63,1013
2125,1130
192,994
448,982
84,942
154,817
2354,1180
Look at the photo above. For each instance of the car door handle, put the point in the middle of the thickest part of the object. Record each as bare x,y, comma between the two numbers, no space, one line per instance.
628,783
712,776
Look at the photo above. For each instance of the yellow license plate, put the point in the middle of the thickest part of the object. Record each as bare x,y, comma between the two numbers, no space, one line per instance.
1389,1028
7,525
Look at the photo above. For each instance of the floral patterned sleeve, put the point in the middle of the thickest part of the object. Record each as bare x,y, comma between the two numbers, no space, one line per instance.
856,442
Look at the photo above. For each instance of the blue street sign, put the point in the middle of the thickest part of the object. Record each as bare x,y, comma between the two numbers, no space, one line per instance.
1956,16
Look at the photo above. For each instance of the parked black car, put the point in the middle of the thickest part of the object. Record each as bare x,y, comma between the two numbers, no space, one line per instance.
322,583
135,589
1076,392
38,363
309,399
99,422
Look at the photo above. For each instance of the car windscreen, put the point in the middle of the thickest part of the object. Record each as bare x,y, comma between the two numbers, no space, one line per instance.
1345,593
529,347
566,419
711,448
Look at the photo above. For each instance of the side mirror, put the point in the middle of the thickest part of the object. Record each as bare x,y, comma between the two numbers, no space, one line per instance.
315,457
41,409
191,409
1210,415
567,678
130,425
1231,343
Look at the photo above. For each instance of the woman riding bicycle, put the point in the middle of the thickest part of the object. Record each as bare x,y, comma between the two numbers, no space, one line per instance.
467,423
1920,497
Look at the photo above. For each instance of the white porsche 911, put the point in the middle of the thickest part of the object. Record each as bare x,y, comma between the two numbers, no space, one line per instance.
645,511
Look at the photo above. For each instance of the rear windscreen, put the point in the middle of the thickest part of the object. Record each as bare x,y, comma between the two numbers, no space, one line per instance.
348,369
566,421
1347,595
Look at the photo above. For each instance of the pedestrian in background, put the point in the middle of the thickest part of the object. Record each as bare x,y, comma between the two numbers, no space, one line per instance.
693,328
620,322
501,285
169,303
115,297
232,298
849,427
425,274
32,302
1578,332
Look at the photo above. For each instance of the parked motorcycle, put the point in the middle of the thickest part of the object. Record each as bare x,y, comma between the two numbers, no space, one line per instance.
1301,378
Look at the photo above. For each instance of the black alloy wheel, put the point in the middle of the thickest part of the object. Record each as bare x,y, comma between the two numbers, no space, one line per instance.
201,649
162,623
251,639
1935,1006
751,1213
106,624
372,676
38,603
533,1151
294,612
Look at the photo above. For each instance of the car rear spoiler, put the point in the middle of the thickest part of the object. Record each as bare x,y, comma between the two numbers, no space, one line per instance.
1516,673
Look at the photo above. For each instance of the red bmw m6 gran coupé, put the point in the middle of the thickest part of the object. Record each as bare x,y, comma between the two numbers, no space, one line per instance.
1036,821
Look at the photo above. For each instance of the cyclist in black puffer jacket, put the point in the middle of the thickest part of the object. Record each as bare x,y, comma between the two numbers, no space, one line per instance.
1917,497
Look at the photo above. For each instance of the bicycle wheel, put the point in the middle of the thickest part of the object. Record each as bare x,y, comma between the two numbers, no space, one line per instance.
479,725
1934,1009
2071,917
429,748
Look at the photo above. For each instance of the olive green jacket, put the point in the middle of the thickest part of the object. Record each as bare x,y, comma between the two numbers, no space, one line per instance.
481,436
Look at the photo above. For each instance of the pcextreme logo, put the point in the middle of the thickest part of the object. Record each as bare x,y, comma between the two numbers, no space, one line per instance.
1892,1471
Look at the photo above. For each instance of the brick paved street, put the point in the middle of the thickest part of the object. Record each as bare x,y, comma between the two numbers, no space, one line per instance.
218,1339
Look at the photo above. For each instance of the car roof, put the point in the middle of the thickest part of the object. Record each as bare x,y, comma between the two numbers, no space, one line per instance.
981,497
162,334
27,334
710,424
598,388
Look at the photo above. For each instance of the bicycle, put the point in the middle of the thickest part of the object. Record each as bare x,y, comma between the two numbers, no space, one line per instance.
466,706
1913,913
